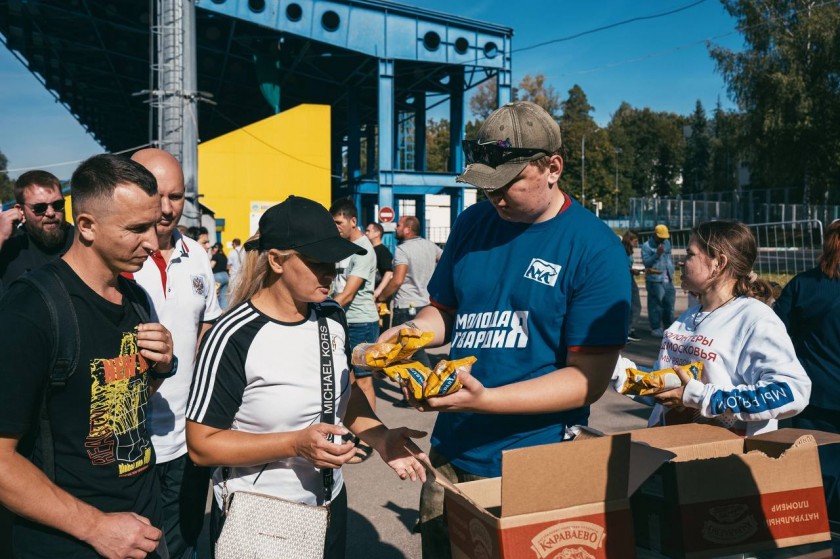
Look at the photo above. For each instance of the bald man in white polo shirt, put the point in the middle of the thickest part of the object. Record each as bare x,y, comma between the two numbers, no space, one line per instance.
179,279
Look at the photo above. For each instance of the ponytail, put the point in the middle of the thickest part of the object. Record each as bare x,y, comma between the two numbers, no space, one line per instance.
753,286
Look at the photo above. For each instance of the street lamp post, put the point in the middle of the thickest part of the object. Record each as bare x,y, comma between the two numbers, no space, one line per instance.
583,170
617,152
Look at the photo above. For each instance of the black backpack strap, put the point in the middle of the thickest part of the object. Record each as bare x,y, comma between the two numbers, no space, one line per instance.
64,354
137,298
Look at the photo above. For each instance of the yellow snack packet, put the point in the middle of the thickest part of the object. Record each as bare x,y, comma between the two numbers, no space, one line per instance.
643,383
413,375
444,378
374,356
410,340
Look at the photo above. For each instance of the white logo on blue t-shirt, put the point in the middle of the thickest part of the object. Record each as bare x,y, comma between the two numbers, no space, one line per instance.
543,272
495,329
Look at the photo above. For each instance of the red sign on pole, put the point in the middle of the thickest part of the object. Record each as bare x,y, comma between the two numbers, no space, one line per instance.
386,214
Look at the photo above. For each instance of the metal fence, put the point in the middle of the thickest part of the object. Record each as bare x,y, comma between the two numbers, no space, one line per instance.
747,206
785,248
437,235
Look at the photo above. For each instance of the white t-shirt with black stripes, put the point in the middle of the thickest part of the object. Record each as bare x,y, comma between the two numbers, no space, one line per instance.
259,375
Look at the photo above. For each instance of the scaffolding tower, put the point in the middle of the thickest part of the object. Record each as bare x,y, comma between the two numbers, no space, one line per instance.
172,93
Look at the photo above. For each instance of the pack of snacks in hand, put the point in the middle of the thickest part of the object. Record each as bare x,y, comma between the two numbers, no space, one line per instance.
374,356
444,378
410,340
426,383
643,383
413,375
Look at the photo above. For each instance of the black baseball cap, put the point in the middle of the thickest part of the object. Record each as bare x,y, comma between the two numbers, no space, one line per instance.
306,226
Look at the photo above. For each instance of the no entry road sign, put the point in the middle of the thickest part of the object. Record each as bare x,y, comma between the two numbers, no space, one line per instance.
386,214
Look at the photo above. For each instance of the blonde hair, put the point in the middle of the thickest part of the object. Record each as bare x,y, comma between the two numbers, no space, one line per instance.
254,275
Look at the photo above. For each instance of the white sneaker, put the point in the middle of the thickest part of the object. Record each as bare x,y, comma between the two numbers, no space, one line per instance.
656,332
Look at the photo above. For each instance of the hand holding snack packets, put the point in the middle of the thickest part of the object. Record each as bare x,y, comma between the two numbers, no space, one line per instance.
426,383
643,383
374,356
390,358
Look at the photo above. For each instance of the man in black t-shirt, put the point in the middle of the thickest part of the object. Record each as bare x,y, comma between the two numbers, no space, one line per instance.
384,258
104,499
34,231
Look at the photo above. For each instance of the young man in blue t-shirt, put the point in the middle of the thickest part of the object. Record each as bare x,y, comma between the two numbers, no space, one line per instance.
533,285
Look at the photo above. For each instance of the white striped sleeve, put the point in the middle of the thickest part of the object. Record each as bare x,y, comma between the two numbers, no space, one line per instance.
219,379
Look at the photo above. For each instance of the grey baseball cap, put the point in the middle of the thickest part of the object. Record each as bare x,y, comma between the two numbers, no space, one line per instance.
511,137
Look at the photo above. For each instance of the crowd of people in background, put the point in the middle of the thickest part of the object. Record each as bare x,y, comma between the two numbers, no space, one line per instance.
226,386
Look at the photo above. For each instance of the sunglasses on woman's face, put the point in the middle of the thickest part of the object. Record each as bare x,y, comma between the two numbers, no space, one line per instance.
41,207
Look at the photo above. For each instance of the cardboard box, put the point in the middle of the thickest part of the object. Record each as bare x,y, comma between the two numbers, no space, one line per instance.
722,494
568,499
828,446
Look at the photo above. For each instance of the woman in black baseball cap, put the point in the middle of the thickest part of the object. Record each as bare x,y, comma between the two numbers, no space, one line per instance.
271,369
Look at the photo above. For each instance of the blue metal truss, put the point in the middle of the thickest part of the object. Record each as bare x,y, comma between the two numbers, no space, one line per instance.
415,57
370,60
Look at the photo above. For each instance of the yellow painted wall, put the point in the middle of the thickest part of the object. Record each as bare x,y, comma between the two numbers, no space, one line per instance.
243,173
68,208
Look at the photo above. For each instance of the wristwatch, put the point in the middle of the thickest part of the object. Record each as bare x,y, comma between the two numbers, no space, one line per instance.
160,376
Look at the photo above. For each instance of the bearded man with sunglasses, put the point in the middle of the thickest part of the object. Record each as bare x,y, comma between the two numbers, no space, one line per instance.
33,231
534,286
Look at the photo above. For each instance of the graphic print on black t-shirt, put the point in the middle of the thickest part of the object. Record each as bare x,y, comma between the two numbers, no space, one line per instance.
103,451
117,420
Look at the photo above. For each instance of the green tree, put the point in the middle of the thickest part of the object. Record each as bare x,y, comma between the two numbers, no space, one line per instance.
471,128
531,88
7,192
437,146
484,100
697,153
652,150
785,83
725,150
534,89
589,160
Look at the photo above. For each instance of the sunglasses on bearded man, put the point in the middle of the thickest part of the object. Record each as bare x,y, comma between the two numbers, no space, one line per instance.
41,207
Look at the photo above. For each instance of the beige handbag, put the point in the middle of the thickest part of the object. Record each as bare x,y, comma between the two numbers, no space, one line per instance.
263,527
260,526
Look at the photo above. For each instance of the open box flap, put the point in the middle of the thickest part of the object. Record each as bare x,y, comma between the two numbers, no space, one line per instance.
644,461
561,475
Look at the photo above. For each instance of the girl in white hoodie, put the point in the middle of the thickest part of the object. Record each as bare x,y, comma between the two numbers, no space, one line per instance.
751,377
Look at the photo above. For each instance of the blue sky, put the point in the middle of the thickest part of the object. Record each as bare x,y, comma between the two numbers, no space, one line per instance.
659,63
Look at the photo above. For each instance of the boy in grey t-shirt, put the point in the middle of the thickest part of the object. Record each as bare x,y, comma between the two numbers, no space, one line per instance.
353,288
